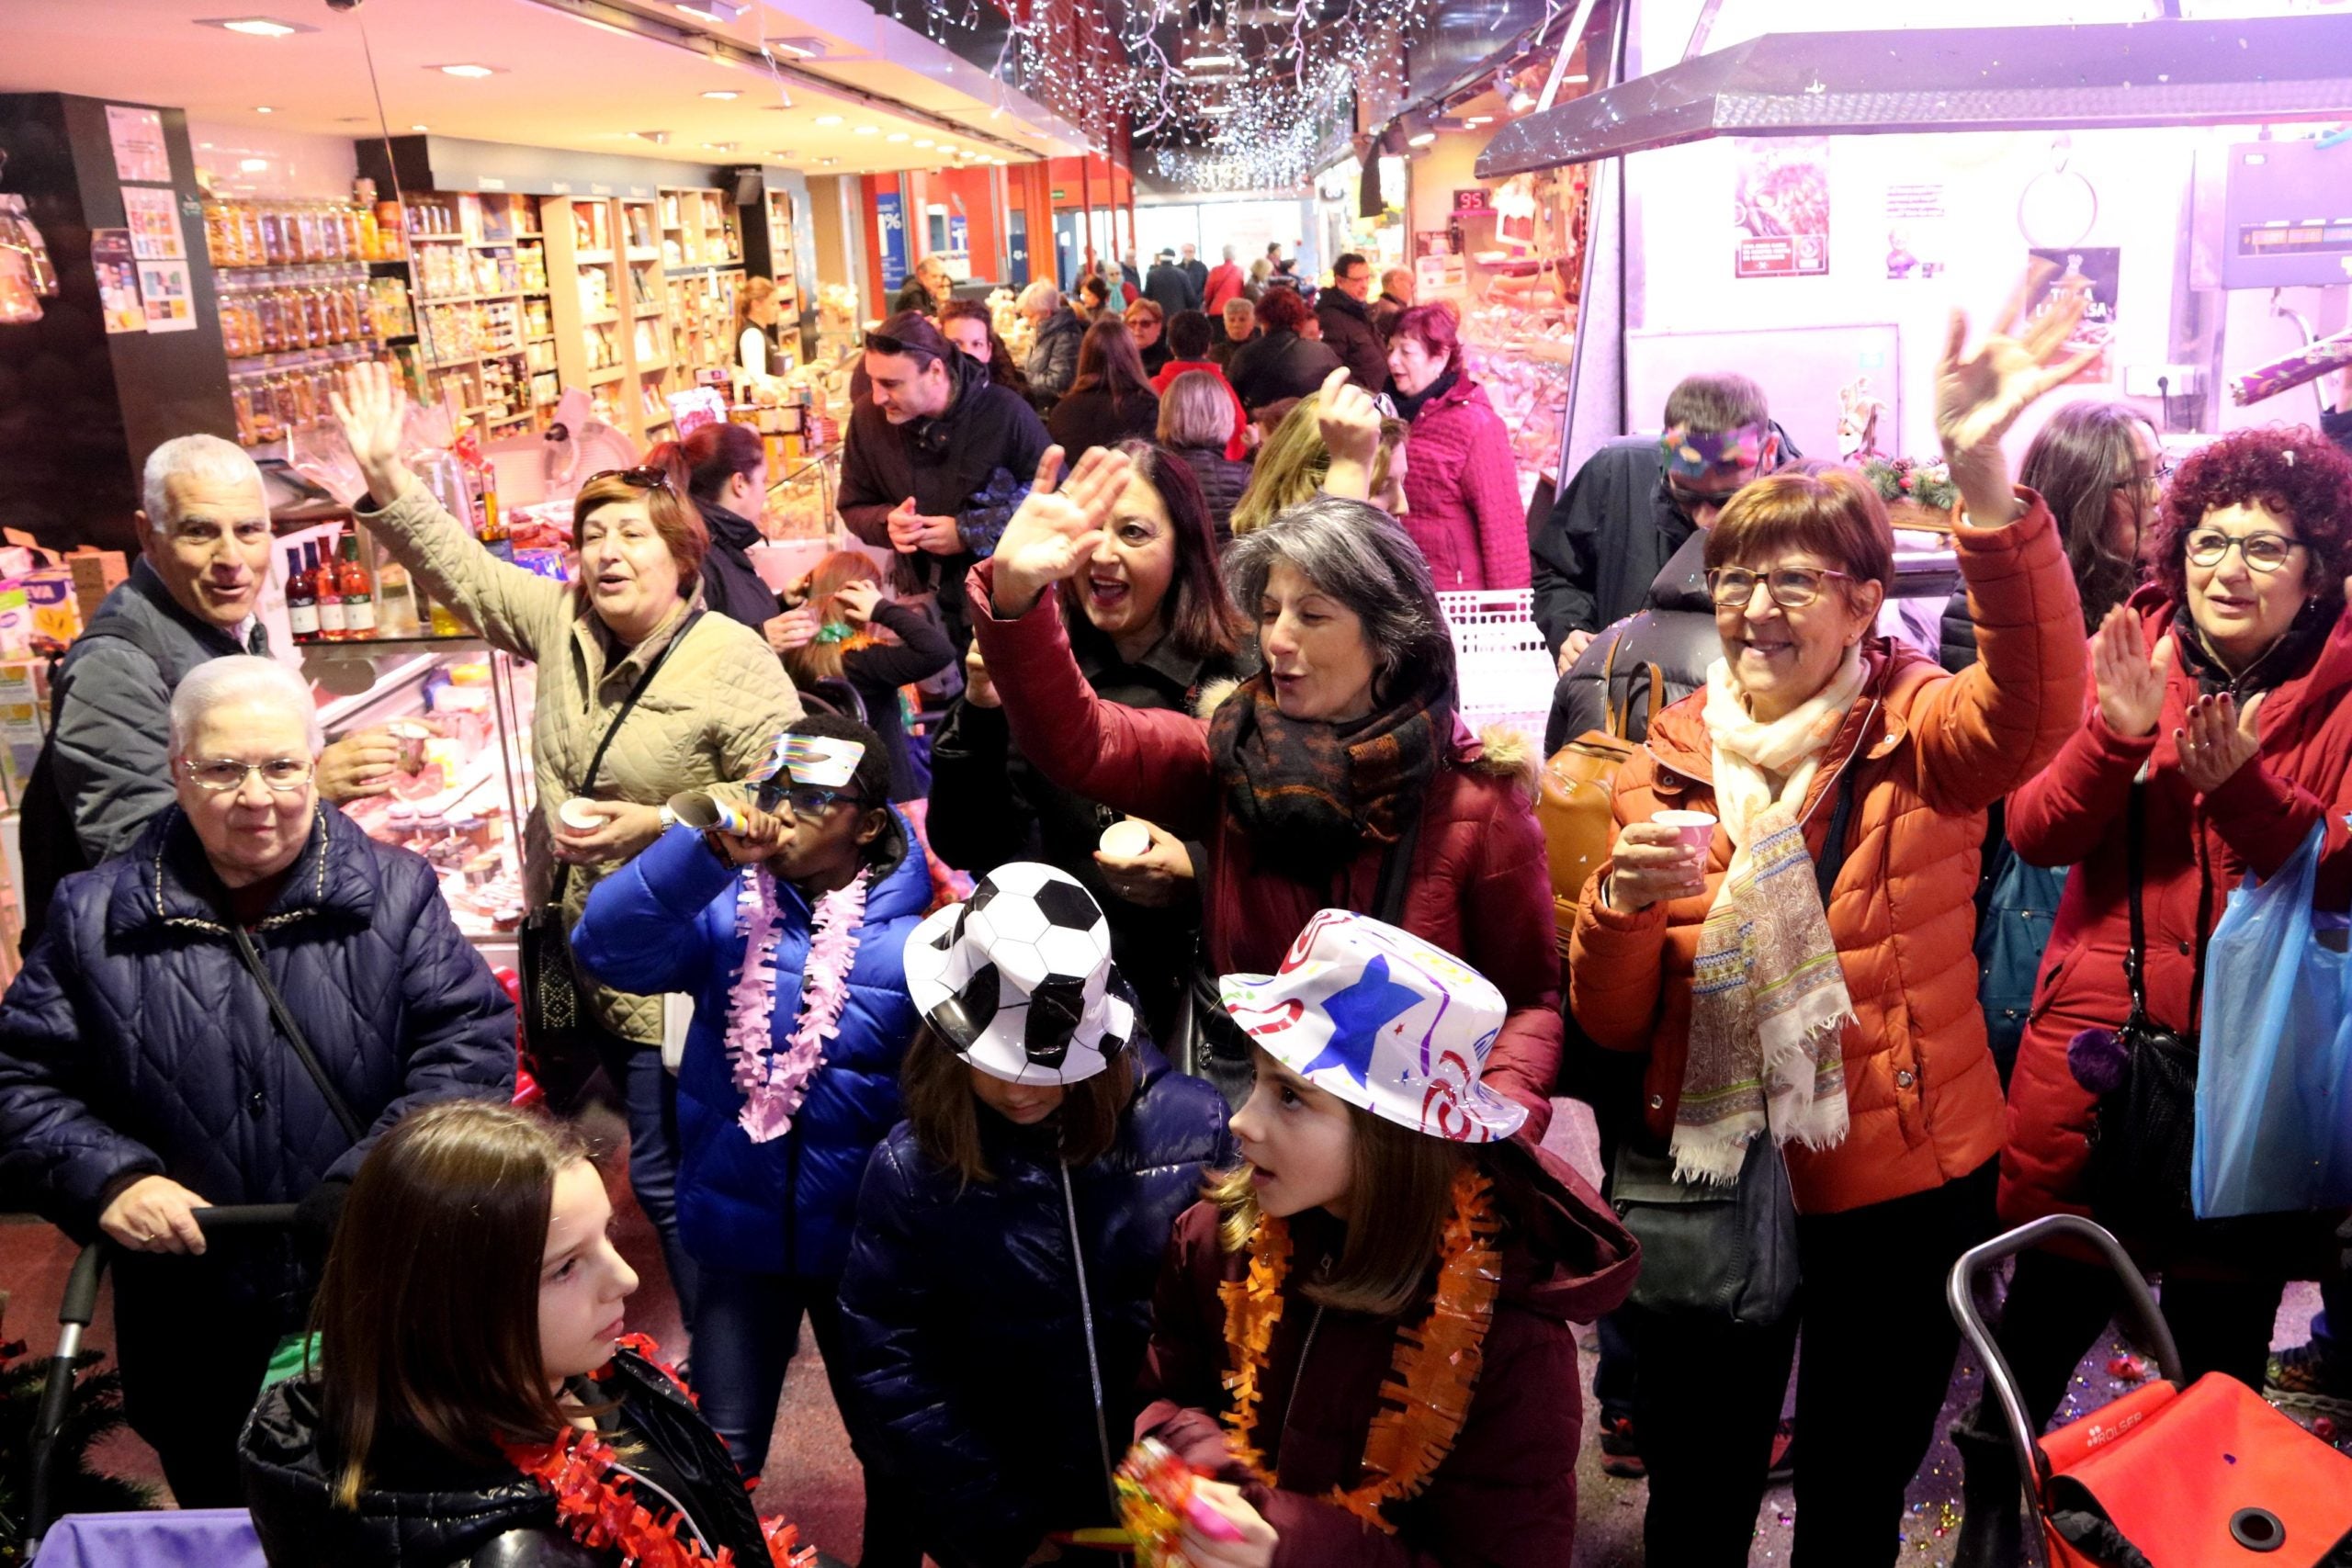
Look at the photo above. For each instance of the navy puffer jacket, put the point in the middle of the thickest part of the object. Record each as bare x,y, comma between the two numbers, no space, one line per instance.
962,1311
667,921
136,1041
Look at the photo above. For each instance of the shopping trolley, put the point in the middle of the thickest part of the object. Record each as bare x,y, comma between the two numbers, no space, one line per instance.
2166,1476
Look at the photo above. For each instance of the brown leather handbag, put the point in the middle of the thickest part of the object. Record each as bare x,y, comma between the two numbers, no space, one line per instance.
1577,790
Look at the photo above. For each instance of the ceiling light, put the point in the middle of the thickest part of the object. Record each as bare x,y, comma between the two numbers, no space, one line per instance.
710,10
946,147
869,131
659,138
800,48
256,27
718,146
895,136
829,120
1580,79
1479,120
782,152
472,73
419,128
1195,61
827,162
1522,101
264,108
1423,139
723,94
252,166
923,141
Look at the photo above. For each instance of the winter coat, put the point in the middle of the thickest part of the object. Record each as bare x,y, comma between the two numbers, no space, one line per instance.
1611,532
1224,283
1477,886
1223,351
966,1334
731,586
1083,420
1222,481
667,921
1383,312
990,805
988,440
1276,366
1166,287
913,296
1053,356
1347,333
878,670
1461,491
1929,751
1197,271
1234,447
2198,848
426,1507
105,770
136,1043
711,714
1676,632
1505,1494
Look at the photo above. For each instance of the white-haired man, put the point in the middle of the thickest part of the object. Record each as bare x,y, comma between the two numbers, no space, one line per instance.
229,1012
190,597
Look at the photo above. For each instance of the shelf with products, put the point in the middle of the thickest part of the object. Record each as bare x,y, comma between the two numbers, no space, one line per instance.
272,311
278,234
700,228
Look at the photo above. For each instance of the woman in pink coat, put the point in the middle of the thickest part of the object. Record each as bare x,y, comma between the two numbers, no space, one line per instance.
1460,487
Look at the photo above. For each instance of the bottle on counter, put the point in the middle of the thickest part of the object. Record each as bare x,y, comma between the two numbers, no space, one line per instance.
326,589
301,600
395,601
359,596
495,534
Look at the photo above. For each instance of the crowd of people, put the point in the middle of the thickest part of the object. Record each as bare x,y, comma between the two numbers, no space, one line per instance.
1159,1043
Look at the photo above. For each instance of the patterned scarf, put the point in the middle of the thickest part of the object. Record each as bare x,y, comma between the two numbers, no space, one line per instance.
1311,794
1769,1002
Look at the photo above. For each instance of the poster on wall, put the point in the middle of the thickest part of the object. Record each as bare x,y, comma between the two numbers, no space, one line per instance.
1780,195
1917,244
139,150
169,300
2098,269
891,230
1436,265
110,258
155,219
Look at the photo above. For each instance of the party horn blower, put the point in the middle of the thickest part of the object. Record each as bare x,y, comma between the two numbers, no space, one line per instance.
705,812
1157,1502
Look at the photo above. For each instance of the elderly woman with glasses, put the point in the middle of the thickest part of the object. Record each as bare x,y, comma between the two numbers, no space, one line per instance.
641,695
1785,928
2218,734
144,1079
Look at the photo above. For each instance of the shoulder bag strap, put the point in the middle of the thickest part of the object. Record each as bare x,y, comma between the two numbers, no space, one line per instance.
2134,859
596,759
1832,849
294,1035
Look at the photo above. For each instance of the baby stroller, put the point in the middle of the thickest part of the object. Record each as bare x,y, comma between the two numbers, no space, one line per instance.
2166,1476
210,1529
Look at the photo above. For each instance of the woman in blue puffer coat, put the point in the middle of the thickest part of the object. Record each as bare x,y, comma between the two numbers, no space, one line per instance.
998,1298
790,1076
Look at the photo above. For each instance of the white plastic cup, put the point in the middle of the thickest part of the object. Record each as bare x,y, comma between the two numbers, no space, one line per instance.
1128,839
1696,828
579,814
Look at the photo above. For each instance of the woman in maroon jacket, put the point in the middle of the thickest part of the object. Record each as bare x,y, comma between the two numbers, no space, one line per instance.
1461,485
2226,680
1340,774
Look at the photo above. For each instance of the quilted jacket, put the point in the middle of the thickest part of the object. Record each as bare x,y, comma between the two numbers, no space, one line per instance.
710,716
2198,848
667,922
423,1507
1505,1494
1237,447
1461,492
1221,482
136,1043
1478,884
962,1311
1929,751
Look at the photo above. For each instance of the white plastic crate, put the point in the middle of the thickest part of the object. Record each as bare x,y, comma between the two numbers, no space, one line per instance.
1506,674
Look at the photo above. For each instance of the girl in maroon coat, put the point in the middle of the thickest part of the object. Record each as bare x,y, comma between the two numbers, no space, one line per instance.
1461,485
2224,687
1365,1336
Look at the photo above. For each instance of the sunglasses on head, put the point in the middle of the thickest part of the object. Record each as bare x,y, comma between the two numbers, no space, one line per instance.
643,478
883,343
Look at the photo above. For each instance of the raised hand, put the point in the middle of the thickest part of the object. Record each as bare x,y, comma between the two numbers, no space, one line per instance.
2218,741
1055,531
1980,395
857,602
1349,421
372,408
979,690
2130,684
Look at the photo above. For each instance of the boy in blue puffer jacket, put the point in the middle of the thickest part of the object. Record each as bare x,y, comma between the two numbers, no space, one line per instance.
788,934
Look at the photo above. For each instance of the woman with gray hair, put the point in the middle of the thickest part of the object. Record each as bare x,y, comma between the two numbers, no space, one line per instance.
1339,775
1053,356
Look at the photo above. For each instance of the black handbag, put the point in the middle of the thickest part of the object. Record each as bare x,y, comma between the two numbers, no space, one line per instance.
2143,1133
1723,1252
557,1026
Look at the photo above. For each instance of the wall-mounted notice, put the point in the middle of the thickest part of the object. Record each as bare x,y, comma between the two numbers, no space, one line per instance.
139,150
154,219
169,300
118,280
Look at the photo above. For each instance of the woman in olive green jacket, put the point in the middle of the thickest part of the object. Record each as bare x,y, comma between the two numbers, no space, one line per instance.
710,715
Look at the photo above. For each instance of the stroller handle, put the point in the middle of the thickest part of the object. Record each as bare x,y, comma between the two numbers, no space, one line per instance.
2147,1322
81,1300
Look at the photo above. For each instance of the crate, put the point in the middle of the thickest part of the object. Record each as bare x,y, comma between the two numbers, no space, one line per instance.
1506,674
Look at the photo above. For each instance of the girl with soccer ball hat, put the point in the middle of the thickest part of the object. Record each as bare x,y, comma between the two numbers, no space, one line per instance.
1387,1213
1009,1233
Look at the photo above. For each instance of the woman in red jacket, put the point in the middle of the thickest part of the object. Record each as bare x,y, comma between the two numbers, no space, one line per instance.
2225,683
1340,774
1461,483
1365,1336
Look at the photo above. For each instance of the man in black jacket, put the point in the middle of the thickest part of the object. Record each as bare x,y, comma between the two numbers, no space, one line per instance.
937,461
1347,325
1192,267
1635,502
1168,287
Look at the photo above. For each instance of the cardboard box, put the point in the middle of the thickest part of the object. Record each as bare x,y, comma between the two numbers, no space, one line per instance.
57,613
15,621
96,573
24,722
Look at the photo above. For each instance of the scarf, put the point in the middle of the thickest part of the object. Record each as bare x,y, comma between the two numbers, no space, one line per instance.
1768,1000
1311,794
2295,651
1410,404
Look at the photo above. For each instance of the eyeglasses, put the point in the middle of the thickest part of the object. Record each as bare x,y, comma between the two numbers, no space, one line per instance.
643,479
2263,552
806,800
217,775
2158,478
1791,587
1687,500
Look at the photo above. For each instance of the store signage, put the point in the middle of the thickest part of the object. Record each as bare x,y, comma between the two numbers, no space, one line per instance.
1780,192
595,189
1060,194
891,234
489,182
1472,200
560,187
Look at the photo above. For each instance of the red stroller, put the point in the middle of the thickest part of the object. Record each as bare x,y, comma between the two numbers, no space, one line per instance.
2164,1477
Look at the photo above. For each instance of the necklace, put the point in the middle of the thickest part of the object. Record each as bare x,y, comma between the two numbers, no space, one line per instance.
773,1082
1432,1373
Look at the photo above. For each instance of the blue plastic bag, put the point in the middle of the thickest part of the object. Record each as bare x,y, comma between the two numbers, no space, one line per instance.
2275,1052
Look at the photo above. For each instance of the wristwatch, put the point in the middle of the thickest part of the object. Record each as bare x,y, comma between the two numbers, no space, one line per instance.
669,818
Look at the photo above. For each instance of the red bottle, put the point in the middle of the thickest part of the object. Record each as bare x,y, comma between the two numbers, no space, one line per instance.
325,587
358,593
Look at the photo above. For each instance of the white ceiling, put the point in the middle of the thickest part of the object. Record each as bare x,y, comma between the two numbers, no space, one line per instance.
561,81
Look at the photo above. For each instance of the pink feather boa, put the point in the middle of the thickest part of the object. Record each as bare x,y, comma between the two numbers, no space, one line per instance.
775,1082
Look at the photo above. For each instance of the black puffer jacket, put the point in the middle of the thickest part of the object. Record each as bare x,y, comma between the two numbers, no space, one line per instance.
424,1508
731,584
1280,365
961,1305
1221,482
1676,632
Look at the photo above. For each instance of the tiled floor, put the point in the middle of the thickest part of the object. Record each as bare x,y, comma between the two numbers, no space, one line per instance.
812,1479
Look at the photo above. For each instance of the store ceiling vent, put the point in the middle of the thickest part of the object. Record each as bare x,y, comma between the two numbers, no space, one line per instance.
1847,83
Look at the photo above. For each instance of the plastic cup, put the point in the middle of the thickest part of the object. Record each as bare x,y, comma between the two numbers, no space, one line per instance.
410,738
579,814
1696,828
1126,840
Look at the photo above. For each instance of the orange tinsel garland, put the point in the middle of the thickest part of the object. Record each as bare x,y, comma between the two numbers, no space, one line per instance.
1432,1376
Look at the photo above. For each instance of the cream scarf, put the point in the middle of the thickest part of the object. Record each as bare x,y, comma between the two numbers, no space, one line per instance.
1769,1002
